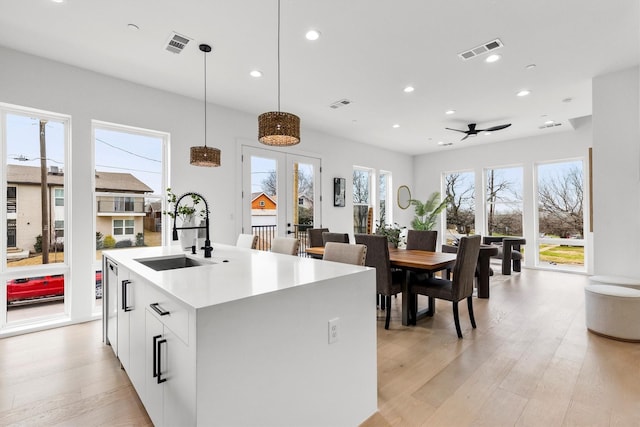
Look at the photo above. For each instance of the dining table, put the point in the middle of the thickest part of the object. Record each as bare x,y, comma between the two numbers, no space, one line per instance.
410,260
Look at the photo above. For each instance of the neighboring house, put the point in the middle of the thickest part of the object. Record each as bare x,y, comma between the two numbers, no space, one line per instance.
119,216
263,209
153,218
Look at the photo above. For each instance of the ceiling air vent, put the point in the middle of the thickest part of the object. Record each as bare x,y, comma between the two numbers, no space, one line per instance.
550,125
479,50
340,103
177,43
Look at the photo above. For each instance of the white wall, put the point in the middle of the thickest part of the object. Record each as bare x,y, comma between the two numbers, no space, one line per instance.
616,173
39,83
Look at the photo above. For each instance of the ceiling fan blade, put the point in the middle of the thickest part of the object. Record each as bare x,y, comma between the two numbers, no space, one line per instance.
457,130
494,128
465,137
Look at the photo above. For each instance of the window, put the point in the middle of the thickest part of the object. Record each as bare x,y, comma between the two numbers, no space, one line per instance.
300,201
361,198
11,200
123,204
385,216
262,204
123,227
560,234
461,210
504,201
59,196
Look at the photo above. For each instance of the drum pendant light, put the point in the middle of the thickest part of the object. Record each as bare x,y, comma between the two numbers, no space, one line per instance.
203,155
277,127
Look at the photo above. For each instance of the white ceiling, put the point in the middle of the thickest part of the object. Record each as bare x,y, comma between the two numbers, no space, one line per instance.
368,52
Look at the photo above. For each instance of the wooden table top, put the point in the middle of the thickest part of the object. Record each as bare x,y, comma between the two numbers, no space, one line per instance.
422,260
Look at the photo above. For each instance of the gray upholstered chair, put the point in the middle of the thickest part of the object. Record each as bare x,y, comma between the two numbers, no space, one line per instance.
344,252
334,237
388,282
249,241
285,245
457,289
315,236
512,247
423,240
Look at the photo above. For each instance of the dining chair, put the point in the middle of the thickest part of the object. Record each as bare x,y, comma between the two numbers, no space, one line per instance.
315,236
457,289
334,237
285,245
423,240
344,252
388,282
249,241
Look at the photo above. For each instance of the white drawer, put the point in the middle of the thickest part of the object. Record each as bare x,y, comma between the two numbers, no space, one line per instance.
177,314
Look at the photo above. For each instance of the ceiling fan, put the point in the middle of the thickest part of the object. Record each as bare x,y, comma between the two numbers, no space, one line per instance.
472,131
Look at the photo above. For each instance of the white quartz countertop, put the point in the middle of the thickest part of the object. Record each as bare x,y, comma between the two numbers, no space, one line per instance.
230,274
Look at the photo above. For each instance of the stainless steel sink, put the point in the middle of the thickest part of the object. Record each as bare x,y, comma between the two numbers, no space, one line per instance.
172,262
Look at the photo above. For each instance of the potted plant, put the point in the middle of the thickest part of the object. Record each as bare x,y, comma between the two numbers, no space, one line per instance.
392,231
186,212
426,213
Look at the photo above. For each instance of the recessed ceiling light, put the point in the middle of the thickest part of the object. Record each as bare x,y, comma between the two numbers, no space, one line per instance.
312,35
449,112
57,1
133,27
549,122
530,66
487,133
396,126
409,89
493,58
523,92
444,144
255,73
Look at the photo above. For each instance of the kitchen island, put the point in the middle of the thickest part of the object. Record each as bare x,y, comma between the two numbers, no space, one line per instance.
243,338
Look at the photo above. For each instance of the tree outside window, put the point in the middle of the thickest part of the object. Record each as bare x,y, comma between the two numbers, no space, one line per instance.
461,211
361,199
504,201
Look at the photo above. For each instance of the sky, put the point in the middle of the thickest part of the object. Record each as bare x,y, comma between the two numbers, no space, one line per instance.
115,151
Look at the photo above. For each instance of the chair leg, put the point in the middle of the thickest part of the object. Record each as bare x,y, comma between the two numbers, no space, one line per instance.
471,317
388,318
456,319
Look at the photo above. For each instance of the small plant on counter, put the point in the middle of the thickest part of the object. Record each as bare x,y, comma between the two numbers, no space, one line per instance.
185,210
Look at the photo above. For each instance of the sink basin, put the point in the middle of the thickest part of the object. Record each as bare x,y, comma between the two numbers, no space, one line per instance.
172,262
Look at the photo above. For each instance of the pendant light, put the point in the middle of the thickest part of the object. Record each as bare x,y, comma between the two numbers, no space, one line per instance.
203,155
277,127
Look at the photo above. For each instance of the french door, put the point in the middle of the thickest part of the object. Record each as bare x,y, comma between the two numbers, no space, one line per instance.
281,194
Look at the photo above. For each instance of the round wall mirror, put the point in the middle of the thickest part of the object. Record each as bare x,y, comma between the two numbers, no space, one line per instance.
404,197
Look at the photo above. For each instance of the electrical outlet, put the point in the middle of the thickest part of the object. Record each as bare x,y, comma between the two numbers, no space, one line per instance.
334,330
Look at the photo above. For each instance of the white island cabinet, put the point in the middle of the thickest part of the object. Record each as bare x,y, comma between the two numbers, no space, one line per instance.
243,338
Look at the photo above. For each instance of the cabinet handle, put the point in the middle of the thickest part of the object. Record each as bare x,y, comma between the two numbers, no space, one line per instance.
155,355
160,379
125,306
156,307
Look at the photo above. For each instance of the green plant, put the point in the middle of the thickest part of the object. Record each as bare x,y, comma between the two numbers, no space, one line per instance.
426,213
37,246
139,239
392,231
99,244
185,209
109,242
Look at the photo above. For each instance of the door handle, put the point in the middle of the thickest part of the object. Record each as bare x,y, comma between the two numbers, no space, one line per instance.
160,379
125,306
155,355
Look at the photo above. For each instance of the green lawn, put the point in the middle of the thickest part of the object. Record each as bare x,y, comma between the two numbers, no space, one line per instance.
561,254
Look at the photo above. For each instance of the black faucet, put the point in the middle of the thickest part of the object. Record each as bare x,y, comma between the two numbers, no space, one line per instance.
207,243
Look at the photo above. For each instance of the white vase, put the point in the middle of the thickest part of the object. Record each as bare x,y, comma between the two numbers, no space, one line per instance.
188,237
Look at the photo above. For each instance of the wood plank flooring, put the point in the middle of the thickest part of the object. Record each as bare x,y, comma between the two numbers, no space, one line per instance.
530,362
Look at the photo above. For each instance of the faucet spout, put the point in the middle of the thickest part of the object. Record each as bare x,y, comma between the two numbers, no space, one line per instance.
207,242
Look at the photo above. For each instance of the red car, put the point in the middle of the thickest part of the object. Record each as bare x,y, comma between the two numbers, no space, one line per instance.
32,288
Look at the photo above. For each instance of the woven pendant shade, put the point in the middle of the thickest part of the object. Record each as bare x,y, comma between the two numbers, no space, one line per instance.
278,128
205,156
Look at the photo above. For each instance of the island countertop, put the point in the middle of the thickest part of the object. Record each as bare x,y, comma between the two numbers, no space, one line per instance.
230,274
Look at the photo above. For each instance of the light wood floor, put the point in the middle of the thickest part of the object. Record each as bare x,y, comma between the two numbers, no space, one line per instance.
530,362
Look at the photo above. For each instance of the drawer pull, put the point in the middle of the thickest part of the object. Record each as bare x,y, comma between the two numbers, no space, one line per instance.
125,304
160,379
156,365
156,307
